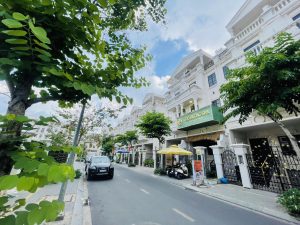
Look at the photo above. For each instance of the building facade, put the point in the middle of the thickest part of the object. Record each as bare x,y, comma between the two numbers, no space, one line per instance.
193,98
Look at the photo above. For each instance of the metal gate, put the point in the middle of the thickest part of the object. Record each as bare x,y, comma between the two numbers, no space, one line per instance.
276,172
230,167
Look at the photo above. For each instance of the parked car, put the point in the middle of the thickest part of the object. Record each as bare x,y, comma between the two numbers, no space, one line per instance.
99,166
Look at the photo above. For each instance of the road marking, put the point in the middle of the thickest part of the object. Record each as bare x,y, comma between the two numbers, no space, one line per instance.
143,190
183,215
128,181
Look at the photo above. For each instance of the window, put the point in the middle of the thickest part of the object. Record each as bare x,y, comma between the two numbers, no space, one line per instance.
183,110
216,102
286,146
212,79
191,84
225,71
296,17
251,46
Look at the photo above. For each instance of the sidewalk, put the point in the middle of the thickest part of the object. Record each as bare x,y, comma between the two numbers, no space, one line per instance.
260,201
75,213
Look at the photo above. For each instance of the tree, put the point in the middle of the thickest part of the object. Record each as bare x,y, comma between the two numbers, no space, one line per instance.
269,84
154,125
71,50
108,144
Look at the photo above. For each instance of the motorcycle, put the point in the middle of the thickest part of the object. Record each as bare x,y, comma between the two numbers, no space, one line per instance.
178,171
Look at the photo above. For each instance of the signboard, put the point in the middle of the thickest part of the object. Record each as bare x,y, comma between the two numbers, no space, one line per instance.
198,178
206,116
198,165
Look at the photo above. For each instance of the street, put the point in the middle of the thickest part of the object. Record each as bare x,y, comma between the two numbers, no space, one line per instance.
132,198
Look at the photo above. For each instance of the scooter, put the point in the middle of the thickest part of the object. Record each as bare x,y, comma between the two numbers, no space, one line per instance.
178,171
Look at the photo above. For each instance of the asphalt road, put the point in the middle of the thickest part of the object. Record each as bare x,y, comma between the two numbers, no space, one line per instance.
132,198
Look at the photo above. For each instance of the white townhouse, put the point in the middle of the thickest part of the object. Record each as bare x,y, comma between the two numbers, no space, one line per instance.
144,148
257,153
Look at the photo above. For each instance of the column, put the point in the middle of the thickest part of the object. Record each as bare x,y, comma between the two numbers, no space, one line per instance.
154,156
195,104
181,109
140,157
217,151
143,157
200,150
177,110
240,151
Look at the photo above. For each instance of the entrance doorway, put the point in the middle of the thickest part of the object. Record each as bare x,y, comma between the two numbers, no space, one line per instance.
209,160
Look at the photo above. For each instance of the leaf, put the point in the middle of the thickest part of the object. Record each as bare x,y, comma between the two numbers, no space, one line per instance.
25,183
67,75
112,2
18,33
7,61
22,119
31,207
44,58
35,217
103,3
20,48
3,200
40,33
16,41
19,16
43,169
21,218
56,72
8,182
11,23
9,220
42,51
46,2
42,44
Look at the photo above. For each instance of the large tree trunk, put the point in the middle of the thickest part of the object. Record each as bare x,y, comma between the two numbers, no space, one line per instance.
290,136
17,106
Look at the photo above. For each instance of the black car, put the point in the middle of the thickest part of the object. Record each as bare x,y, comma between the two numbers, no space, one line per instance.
99,166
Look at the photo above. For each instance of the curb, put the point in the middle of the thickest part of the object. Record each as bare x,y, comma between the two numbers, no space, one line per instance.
87,215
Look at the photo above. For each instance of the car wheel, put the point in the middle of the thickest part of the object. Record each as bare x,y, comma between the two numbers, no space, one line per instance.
111,176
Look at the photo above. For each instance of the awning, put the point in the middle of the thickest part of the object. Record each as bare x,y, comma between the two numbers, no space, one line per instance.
211,136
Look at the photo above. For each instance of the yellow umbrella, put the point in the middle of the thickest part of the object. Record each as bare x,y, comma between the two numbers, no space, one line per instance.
174,150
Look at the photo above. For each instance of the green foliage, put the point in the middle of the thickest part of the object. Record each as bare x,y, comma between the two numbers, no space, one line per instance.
78,174
108,144
129,138
154,125
270,82
73,49
160,171
291,201
149,162
37,169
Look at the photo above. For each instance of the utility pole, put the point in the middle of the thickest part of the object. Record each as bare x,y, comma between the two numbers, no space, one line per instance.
71,156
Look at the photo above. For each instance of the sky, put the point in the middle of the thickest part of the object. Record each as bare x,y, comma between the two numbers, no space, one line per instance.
191,25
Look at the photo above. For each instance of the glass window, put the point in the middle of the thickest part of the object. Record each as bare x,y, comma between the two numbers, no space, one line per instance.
286,146
212,79
225,71
100,160
216,102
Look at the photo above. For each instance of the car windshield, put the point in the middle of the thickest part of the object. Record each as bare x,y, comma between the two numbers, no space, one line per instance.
100,160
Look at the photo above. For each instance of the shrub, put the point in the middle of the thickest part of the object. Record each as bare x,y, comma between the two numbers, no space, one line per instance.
131,164
149,162
77,174
291,201
160,171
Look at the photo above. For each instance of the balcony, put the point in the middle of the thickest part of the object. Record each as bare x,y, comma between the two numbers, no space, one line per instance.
206,116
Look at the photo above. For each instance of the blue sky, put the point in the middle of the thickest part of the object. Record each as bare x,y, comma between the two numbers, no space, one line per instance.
191,25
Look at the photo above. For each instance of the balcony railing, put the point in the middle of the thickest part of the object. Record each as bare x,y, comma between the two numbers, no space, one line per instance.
206,116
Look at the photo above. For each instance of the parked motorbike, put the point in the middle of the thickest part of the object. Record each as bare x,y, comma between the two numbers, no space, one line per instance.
178,171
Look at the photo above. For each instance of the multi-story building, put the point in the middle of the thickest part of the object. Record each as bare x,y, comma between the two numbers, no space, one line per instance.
193,95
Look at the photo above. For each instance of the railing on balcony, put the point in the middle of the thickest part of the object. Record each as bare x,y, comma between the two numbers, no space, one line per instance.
209,64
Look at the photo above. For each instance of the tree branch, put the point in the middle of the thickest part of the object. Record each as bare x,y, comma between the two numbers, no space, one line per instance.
37,100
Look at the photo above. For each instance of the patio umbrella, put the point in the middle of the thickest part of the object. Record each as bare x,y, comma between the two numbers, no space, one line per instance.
174,150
